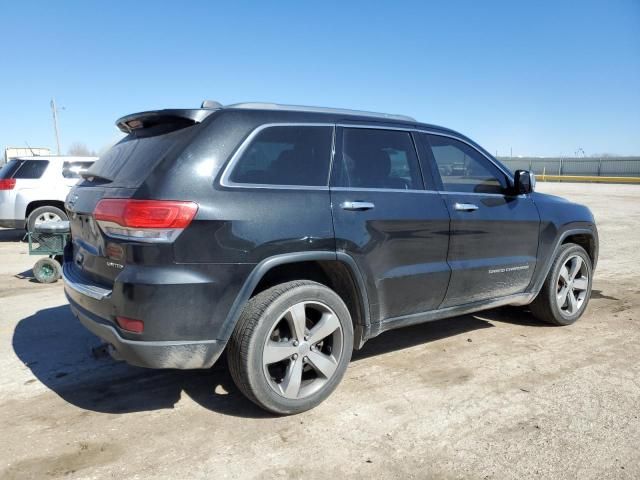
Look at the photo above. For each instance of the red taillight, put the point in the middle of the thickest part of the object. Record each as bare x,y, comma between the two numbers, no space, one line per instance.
7,183
146,213
130,324
144,220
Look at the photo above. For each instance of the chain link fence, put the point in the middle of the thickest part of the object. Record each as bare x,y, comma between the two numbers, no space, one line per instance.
598,167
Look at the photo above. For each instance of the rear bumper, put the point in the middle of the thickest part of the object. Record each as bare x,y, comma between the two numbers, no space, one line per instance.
12,223
96,307
181,354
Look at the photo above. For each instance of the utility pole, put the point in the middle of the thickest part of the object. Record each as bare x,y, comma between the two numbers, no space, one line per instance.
54,110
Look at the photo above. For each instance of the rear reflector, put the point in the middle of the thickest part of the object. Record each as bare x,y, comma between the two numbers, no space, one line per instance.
114,251
144,220
130,324
7,183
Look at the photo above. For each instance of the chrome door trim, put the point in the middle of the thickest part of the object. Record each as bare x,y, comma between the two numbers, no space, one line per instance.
465,207
356,205
373,189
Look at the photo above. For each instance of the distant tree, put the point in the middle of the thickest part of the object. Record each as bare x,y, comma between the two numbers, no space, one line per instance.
79,149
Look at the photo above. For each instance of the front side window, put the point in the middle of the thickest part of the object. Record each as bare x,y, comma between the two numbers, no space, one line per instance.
375,158
286,155
464,169
31,169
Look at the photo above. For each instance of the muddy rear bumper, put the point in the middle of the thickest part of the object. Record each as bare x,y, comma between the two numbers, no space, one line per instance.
150,354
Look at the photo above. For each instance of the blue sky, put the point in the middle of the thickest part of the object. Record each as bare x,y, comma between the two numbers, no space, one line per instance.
542,78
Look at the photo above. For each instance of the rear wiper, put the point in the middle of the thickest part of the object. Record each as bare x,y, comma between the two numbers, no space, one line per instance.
93,178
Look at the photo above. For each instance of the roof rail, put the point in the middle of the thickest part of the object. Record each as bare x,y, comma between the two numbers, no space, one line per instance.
301,108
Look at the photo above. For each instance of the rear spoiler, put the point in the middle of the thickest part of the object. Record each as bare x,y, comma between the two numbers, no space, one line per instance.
185,117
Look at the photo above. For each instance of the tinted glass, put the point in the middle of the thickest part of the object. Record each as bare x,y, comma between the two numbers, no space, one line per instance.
10,168
373,158
464,169
294,155
73,169
129,162
31,169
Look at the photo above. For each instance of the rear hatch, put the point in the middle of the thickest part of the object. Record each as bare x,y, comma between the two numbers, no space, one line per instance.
154,139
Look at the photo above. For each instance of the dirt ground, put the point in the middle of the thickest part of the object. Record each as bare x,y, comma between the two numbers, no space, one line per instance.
489,396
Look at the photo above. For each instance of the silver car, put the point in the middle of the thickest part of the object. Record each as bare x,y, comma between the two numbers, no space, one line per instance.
33,189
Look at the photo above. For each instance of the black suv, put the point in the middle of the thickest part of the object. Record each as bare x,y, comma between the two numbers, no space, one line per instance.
291,235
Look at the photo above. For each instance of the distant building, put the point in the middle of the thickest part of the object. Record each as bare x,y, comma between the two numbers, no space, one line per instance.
13,152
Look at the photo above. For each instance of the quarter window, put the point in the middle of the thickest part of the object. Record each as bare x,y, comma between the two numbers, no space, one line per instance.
374,158
286,155
464,169
73,169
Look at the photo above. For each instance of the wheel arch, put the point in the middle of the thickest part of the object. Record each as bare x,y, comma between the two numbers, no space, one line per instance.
586,241
587,238
337,271
31,206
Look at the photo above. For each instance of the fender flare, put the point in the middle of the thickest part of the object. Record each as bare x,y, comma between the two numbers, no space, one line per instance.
362,327
536,283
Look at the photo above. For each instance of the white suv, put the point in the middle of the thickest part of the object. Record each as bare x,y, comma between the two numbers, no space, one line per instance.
33,189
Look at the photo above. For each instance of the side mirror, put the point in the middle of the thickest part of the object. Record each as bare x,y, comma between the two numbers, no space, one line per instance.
524,182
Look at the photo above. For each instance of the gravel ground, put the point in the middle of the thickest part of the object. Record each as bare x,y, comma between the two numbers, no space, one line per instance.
493,395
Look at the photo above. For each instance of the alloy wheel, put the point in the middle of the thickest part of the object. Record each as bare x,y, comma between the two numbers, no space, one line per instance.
303,350
573,284
47,217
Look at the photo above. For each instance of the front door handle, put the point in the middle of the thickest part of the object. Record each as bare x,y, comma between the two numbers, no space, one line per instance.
357,205
465,207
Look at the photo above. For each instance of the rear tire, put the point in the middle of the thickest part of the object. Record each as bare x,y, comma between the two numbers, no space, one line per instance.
566,291
48,213
291,346
47,270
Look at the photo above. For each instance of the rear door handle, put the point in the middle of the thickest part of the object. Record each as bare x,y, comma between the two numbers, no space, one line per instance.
357,205
465,207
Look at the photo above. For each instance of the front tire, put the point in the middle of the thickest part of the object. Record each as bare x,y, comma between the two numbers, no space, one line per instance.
567,289
291,346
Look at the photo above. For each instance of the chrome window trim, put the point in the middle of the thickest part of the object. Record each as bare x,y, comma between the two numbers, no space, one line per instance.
476,194
225,181
455,137
372,189
430,132
375,127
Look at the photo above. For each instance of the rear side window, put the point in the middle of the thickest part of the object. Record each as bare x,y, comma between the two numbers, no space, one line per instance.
73,169
373,158
286,155
31,169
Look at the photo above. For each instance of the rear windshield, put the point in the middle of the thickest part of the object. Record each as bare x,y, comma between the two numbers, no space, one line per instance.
10,168
24,169
128,162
